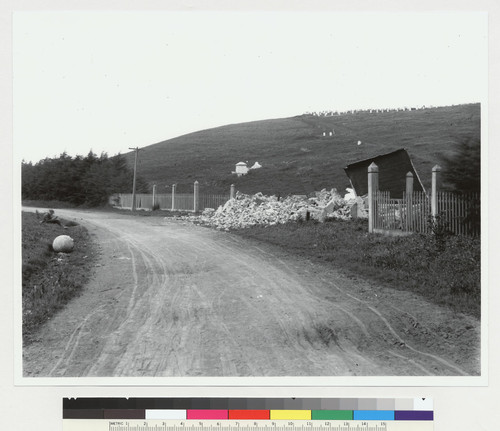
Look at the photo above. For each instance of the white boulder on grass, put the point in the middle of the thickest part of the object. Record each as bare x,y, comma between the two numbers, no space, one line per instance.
63,244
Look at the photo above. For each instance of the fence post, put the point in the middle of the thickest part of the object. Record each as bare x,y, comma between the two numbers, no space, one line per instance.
372,189
154,196
436,182
231,194
409,201
196,196
409,184
174,186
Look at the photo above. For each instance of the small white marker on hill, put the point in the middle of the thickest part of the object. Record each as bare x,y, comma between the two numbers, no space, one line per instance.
359,142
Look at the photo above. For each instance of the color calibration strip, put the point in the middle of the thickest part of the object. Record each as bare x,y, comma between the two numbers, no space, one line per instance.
220,409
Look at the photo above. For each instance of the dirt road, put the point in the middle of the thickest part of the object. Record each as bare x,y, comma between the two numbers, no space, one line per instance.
169,298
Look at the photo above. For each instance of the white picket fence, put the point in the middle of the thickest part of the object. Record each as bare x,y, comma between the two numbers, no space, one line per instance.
417,211
193,202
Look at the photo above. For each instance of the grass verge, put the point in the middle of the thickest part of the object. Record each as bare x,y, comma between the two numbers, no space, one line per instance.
50,279
445,270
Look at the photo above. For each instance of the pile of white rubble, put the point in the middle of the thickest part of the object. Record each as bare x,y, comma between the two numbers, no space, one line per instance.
250,210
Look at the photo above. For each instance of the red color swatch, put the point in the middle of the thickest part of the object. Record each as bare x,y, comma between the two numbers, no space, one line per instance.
249,414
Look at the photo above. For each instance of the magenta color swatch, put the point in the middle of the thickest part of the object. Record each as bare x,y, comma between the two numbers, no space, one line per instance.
207,414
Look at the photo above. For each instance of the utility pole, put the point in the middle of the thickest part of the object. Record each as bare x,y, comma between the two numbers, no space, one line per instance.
136,149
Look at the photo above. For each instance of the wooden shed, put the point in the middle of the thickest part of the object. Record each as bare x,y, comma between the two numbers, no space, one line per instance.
392,167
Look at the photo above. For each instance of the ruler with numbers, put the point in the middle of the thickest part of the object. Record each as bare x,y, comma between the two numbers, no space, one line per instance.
159,425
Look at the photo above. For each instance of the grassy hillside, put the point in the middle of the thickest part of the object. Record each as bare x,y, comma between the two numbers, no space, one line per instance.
296,158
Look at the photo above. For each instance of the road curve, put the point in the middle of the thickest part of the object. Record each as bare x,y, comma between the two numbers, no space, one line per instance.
169,298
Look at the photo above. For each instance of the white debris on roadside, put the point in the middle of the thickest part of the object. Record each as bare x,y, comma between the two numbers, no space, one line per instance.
357,204
350,194
250,210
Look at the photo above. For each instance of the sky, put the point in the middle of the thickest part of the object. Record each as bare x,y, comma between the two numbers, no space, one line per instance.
110,81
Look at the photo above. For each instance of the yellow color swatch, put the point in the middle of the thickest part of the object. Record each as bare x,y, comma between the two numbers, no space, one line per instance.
290,415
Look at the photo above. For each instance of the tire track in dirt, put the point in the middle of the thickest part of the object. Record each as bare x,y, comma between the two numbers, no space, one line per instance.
393,332
188,301
210,319
283,324
134,328
391,329
75,343
290,340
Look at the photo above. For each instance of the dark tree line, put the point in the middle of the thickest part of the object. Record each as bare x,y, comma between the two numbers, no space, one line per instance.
79,180
462,169
462,175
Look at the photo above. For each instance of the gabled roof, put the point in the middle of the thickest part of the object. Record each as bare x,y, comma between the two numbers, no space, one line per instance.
392,168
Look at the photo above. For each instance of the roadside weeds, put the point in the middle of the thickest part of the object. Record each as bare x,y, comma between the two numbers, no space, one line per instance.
50,279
